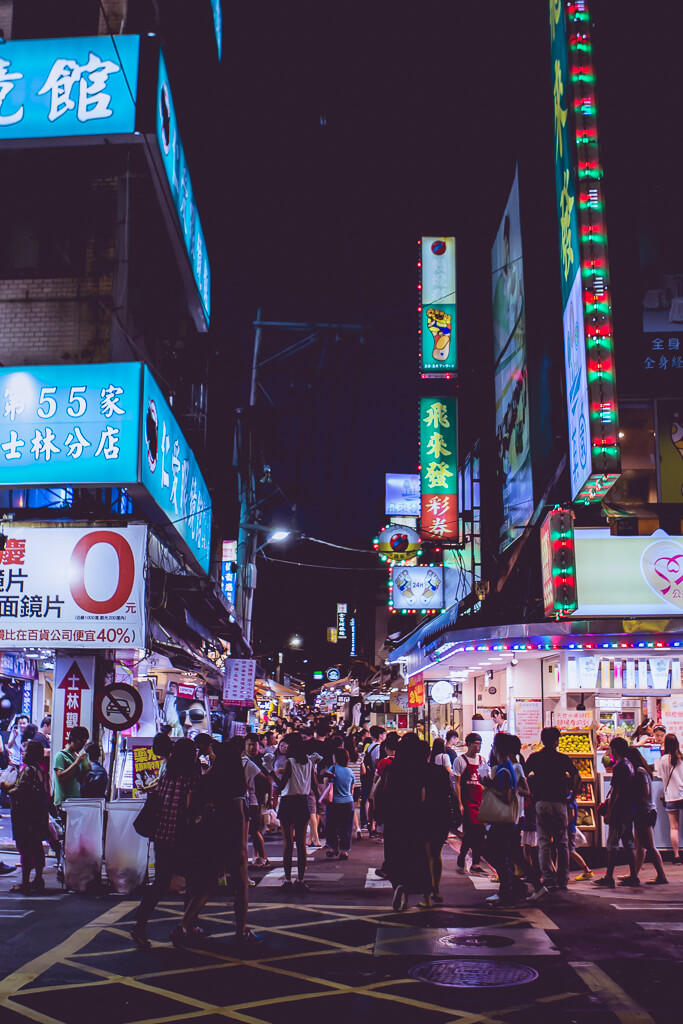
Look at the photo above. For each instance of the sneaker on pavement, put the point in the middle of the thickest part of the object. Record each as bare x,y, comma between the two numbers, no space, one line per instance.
584,876
630,883
477,869
381,874
5,869
604,882
537,895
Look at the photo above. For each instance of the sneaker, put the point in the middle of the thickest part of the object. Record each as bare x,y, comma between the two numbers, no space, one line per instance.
252,881
630,883
604,882
286,883
381,874
5,869
493,900
343,855
537,895
437,898
477,869
302,885
657,881
178,937
584,876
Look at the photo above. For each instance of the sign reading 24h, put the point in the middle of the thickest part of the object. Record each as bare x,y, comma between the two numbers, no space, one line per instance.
55,88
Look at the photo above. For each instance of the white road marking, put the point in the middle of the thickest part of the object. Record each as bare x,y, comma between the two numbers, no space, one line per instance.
373,882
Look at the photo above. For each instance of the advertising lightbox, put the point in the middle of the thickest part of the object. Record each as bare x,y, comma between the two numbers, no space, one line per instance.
510,373
627,576
66,587
583,249
416,587
180,186
63,88
439,467
402,494
669,433
438,343
578,416
103,425
217,12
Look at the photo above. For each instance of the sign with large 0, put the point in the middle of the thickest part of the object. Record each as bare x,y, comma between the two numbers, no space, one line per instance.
104,425
65,587
97,89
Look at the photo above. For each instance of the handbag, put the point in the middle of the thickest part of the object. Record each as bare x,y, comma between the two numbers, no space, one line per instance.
493,810
146,822
327,795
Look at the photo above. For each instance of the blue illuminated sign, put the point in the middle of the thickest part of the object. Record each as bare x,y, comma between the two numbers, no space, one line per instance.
57,88
402,494
169,471
180,185
218,25
228,582
102,425
69,424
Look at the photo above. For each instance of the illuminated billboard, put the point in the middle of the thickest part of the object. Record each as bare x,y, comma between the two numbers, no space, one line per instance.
417,587
438,341
577,389
63,88
583,252
217,12
103,425
510,373
439,467
402,494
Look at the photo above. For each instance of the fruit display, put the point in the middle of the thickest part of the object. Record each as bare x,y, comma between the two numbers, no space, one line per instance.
586,818
576,743
584,766
586,794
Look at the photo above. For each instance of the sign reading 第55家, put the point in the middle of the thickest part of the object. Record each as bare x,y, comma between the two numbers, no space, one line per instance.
57,88
438,349
439,467
75,588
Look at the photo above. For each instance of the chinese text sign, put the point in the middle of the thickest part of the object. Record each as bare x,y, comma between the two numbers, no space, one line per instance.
239,682
438,346
57,88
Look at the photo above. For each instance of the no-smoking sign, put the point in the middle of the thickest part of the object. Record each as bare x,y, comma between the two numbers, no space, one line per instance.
118,707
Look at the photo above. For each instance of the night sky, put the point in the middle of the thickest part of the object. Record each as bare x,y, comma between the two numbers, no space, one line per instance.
350,131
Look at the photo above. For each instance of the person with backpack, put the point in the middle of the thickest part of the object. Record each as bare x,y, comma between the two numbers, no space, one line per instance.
469,770
96,779
371,759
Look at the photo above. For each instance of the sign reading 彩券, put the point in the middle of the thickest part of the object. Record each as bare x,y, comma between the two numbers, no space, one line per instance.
439,467
58,88
73,588
72,425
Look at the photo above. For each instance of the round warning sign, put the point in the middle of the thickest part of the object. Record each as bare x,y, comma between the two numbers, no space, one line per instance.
118,707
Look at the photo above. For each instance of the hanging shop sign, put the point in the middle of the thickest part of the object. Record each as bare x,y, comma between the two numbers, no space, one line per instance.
511,383
402,494
416,691
239,682
441,692
398,543
417,588
628,576
439,467
73,588
342,615
83,425
69,88
16,664
558,564
437,325
118,707
586,291
179,184
228,567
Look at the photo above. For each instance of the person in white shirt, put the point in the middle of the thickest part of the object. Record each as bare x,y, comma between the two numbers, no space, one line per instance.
669,768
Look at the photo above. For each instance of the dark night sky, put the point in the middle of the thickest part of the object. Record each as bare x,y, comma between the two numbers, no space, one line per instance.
426,113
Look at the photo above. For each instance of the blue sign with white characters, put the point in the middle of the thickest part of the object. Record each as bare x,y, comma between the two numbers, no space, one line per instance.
57,88
180,185
69,424
170,473
103,425
218,25
228,582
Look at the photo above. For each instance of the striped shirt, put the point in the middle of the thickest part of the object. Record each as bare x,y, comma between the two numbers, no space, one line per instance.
355,767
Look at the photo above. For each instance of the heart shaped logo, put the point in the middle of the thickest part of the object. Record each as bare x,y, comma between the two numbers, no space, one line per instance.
661,565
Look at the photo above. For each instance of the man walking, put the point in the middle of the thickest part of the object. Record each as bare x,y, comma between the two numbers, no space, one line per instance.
552,776
468,771
619,816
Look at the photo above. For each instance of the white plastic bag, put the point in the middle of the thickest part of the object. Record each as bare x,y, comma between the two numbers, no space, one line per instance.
83,842
125,852
580,839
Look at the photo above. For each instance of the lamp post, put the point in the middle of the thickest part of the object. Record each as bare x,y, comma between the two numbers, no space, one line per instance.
246,569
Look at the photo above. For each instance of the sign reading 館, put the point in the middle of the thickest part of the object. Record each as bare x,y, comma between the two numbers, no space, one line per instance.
73,588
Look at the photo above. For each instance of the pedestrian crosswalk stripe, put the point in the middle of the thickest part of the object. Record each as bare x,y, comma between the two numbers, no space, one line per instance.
373,882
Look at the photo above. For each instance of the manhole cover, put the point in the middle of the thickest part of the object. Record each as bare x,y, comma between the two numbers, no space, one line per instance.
476,939
473,973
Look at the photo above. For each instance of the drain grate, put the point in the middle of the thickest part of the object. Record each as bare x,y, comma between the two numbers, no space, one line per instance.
473,973
477,940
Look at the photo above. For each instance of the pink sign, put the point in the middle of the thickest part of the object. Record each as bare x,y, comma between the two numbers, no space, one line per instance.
528,721
567,720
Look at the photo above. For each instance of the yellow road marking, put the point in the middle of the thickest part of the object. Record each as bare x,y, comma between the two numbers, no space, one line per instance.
612,995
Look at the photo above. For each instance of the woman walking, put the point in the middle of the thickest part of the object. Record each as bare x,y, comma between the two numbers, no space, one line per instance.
439,804
644,816
400,803
358,768
298,781
500,838
339,813
170,835
670,770
30,821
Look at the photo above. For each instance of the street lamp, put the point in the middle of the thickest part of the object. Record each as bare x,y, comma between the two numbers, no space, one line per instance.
246,568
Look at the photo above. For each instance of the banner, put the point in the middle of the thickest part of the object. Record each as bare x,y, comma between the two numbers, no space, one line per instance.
73,588
239,682
416,691
416,587
529,721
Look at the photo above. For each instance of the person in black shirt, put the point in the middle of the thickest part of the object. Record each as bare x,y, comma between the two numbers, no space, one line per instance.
618,814
552,776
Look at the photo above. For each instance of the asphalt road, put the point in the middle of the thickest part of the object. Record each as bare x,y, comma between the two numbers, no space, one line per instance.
339,953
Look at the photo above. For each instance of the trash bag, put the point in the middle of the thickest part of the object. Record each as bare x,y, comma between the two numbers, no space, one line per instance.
125,852
83,843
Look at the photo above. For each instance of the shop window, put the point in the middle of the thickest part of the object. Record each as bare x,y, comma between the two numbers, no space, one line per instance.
54,19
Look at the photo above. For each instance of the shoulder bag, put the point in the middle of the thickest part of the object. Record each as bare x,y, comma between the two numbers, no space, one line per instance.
327,795
496,811
146,822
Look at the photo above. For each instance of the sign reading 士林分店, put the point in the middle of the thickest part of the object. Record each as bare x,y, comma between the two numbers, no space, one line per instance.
99,89
104,425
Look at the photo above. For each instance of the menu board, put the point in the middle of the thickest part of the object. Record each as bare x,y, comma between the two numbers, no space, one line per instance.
568,720
529,721
672,715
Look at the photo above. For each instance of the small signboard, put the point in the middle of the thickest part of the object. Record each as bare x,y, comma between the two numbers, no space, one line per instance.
118,707
239,682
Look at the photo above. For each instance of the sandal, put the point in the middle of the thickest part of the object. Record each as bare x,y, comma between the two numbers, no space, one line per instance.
23,889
